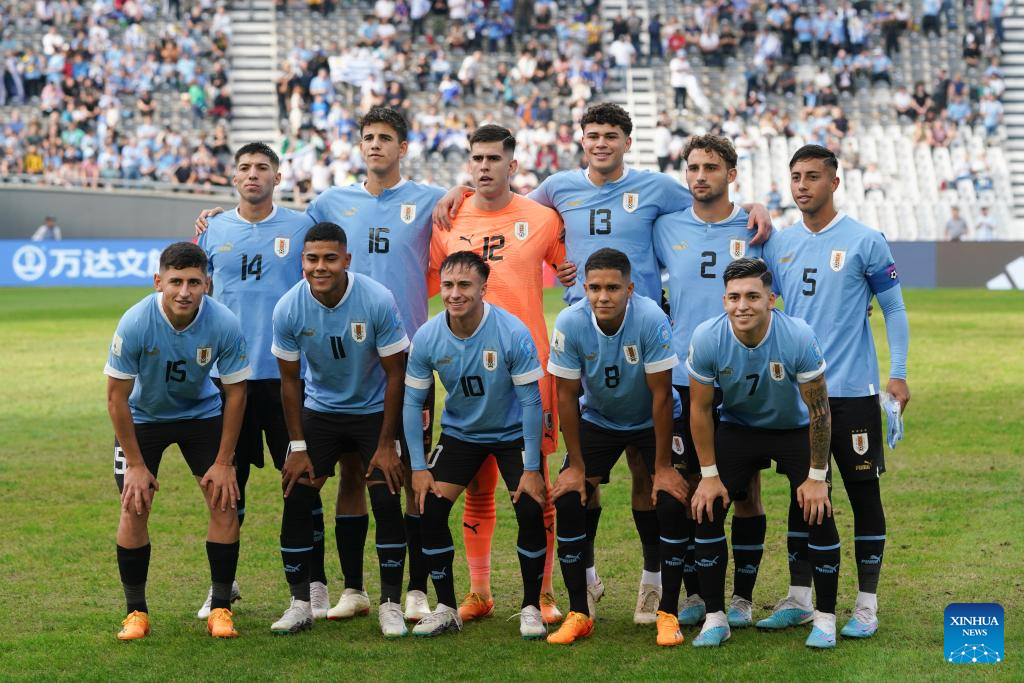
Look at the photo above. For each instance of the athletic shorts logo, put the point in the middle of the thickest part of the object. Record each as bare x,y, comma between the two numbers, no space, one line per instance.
837,260
490,360
631,354
557,341
204,354
408,213
281,246
522,230
677,444
860,442
630,200
115,345
776,370
358,331
737,248
973,633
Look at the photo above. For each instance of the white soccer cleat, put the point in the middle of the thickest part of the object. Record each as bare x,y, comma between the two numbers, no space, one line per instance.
353,603
438,622
741,613
298,617
647,601
392,621
204,611
531,624
319,601
595,591
416,606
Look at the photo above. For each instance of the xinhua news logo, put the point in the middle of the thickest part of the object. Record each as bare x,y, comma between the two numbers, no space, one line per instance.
974,633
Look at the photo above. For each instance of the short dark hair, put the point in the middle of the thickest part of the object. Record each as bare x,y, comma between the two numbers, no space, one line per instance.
607,258
743,268
717,144
494,133
258,148
325,231
610,114
816,152
389,117
466,259
181,255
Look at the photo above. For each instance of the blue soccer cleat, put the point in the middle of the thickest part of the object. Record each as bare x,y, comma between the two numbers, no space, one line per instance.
787,613
692,611
715,632
741,613
821,640
863,624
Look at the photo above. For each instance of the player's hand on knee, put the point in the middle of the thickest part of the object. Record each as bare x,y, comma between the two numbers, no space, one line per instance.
566,273
387,461
570,479
709,489
812,497
222,484
296,465
669,480
532,484
139,487
203,222
898,389
423,484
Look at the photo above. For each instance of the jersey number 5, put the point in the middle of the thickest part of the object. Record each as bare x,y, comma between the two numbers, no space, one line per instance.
600,221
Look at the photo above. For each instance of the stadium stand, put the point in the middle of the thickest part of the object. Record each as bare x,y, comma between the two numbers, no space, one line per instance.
911,95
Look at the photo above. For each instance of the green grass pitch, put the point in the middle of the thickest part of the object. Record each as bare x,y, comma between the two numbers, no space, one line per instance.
952,494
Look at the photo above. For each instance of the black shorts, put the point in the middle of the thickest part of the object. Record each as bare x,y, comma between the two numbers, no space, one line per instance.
602,447
331,435
264,416
199,441
857,438
455,461
740,451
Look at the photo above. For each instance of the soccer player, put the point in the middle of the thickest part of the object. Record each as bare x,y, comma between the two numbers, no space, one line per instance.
828,268
617,348
255,257
347,329
488,364
608,204
515,236
694,246
159,393
774,405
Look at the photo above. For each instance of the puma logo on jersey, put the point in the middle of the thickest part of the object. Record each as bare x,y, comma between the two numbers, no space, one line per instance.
682,246
352,211
468,239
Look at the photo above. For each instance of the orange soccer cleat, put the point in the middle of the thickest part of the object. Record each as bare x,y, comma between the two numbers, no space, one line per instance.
475,607
549,610
669,634
220,625
576,625
134,626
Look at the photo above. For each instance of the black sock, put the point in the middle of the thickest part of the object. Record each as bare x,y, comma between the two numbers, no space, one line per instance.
796,544
223,558
350,534
572,537
593,519
712,558
297,539
316,556
439,548
868,532
647,526
671,522
390,540
133,565
747,550
417,568
823,547
690,580
532,548
242,474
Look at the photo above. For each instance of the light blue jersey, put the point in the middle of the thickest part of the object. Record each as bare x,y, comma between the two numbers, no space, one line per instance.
759,385
252,266
695,255
388,237
619,214
480,374
828,279
171,368
614,368
342,346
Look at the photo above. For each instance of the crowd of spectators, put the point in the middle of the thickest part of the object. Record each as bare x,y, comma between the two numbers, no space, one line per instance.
85,86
